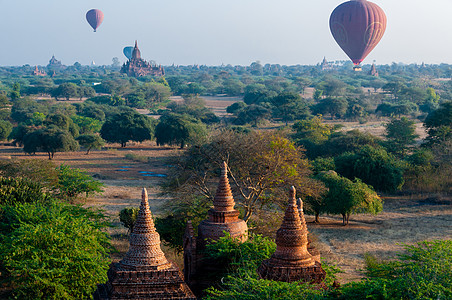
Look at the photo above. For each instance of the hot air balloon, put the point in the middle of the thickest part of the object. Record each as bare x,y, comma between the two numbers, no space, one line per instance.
357,26
95,18
128,51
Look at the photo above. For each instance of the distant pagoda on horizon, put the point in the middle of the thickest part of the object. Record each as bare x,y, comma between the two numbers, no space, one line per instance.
137,67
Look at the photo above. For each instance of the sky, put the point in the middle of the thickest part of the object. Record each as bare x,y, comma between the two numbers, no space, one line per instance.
213,32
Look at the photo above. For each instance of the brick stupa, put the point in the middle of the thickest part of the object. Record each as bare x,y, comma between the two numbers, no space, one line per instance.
144,272
292,260
222,218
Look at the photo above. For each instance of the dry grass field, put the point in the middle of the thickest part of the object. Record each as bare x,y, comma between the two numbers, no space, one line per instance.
404,220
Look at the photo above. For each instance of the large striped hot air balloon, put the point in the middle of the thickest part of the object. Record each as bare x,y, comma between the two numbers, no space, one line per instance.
95,18
357,26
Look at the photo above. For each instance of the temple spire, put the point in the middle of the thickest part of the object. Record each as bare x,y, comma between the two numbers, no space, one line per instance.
224,201
144,251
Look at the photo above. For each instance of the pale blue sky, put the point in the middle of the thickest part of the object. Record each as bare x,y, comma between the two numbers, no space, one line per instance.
212,32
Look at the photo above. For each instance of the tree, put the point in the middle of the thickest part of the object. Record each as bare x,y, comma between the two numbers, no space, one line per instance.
74,182
400,134
350,141
87,125
18,134
175,129
15,93
90,141
311,134
289,106
127,126
346,197
50,140
235,107
252,114
128,216
4,107
374,166
5,129
66,90
23,109
336,107
62,122
439,124
261,167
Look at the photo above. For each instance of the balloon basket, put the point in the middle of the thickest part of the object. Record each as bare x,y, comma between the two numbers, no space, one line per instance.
357,68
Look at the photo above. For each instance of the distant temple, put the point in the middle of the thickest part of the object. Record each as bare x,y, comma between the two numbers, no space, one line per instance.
137,67
373,71
144,272
325,66
292,261
37,72
222,218
53,62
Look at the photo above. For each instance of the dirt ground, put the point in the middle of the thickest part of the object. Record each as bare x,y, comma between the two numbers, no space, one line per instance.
403,220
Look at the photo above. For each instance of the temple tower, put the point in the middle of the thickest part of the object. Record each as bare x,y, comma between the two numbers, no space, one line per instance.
292,260
136,53
144,272
222,218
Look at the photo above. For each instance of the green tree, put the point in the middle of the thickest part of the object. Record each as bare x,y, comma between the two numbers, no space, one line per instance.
87,125
311,134
374,166
175,129
439,124
347,197
18,134
128,216
336,107
20,190
5,129
289,106
127,126
235,107
400,134
62,122
66,90
252,114
50,140
23,109
15,93
90,141
74,182
4,107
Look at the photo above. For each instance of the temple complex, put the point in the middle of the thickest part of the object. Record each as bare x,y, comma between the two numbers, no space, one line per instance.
37,72
55,64
292,260
144,272
137,67
222,218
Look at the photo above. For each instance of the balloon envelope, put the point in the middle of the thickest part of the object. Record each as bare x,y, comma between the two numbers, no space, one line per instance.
128,51
357,26
94,18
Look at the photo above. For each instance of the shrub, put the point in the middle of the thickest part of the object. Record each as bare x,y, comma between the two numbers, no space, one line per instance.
128,216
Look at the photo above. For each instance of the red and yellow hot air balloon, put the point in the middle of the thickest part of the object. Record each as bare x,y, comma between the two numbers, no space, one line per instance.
357,26
95,18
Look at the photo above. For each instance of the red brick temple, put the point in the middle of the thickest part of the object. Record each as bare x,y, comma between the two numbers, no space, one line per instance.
144,272
311,249
222,218
292,260
137,67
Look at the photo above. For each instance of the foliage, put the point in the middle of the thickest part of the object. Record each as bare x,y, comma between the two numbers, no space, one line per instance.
172,226
50,140
5,129
175,129
35,170
400,134
195,107
350,141
347,197
423,271
127,126
241,281
252,114
20,190
311,134
439,124
66,90
336,107
62,122
90,141
262,165
22,110
128,216
74,182
52,251
374,166
87,124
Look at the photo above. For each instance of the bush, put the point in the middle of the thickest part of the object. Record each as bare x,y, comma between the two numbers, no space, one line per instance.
52,251
424,271
74,182
20,190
